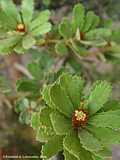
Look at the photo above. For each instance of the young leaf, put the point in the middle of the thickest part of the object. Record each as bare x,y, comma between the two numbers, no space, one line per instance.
88,141
99,33
65,29
91,21
25,118
52,147
61,100
27,10
96,21
99,95
22,105
28,41
60,123
42,18
42,29
116,35
78,15
73,86
61,48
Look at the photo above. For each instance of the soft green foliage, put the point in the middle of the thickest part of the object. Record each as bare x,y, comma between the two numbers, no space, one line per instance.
93,140
48,150
48,103
61,48
65,29
83,31
25,108
14,39
83,24
38,70
79,15
99,96
75,34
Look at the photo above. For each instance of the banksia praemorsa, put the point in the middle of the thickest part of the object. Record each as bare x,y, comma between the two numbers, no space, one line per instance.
82,126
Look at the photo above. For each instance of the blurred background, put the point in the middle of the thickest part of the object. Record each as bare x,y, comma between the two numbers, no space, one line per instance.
17,138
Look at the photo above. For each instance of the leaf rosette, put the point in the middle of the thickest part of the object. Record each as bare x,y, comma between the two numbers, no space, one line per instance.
82,126
20,27
81,31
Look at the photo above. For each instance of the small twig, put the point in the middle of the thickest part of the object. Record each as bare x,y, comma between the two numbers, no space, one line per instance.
23,70
59,63
5,101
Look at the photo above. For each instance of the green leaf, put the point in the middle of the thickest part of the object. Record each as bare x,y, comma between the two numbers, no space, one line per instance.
69,156
28,42
107,136
45,116
9,12
90,20
27,9
111,105
104,154
97,158
79,49
19,48
73,86
4,24
27,85
42,18
100,92
61,48
72,144
46,2
79,15
35,120
44,134
60,123
65,29
96,21
35,69
116,35
42,29
22,105
25,118
52,147
45,131
61,100
46,95
7,45
99,33
108,23
88,141
105,120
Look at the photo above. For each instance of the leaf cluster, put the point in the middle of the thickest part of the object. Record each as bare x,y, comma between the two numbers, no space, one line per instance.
53,124
11,18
